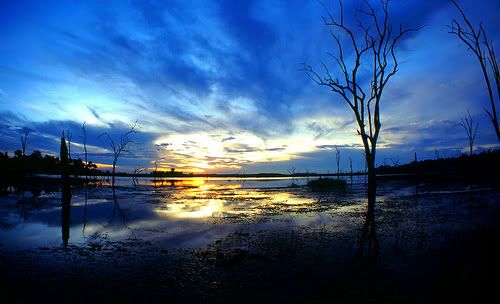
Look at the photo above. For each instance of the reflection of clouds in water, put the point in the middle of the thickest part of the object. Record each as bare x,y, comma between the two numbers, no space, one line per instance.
206,208
187,182
212,200
193,212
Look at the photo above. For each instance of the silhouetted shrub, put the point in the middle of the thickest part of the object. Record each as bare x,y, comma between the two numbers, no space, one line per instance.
36,163
326,184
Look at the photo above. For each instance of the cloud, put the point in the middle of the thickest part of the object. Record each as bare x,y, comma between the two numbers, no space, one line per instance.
228,69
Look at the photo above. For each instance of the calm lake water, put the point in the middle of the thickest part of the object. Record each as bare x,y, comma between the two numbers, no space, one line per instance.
193,212
189,212
191,235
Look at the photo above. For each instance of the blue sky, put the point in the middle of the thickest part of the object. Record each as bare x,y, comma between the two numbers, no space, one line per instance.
215,85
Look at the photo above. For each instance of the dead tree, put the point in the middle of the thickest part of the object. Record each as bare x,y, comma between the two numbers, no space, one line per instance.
436,153
84,138
350,164
292,171
467,122
120,146
477,41
337,159
395,161
137,171
24,132
64,158
69,136
374,49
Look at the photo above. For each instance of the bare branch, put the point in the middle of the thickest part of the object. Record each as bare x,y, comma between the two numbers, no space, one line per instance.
381,43
467,123
121,146
474,39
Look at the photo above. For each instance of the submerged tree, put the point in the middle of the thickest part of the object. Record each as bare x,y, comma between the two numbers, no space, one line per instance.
120,146
337,159
373,44
64,157
350,166
467,122
477,41
69,136
24,132
84,138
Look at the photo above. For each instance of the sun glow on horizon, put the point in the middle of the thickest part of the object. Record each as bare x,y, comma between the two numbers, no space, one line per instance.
222,149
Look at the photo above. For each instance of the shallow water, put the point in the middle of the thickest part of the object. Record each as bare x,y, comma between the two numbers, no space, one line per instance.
188,213
172,212
186,233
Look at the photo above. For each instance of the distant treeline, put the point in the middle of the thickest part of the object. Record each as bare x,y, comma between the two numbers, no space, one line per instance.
36,163
486,164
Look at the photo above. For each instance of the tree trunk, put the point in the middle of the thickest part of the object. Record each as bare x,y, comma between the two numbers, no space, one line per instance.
372,181
497,129
113,175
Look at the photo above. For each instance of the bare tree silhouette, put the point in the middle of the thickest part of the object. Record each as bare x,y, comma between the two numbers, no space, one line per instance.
337,159
65,191
64,158
84,138
350,166
292,171
467,122
24,132
137,171
395,161
69,136
437,154
477,41
120,146
379,39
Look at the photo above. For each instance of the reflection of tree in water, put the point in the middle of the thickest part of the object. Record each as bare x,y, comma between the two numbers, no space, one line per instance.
119,213
65,211
166,182
85,208
27,202
368,246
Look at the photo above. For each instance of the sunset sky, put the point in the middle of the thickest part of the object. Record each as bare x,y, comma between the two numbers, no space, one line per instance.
216,86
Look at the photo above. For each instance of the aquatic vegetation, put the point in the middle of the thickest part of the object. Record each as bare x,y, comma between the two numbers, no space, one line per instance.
326,184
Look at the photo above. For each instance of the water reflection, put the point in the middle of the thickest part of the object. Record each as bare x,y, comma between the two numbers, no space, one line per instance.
65,212
180,211
117,212
368,246
84,220
213,200
193,212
